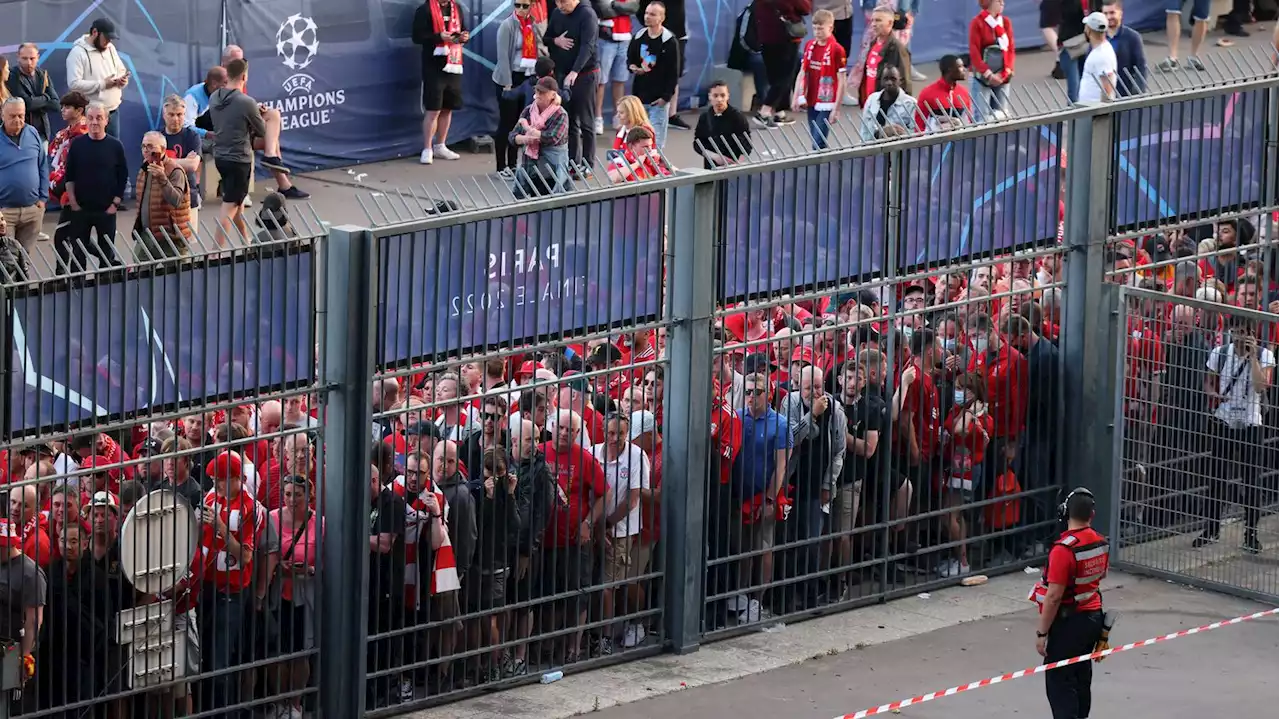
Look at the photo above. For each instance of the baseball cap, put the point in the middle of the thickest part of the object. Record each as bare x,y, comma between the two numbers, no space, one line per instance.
42,448
224,466
104,26
758,362
868,298
803,354
105,499
105,463
642,422
1096,22
528,368
548,84
1158,248
424,428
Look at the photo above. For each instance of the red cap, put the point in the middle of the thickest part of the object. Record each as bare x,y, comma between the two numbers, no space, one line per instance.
224,466
528,368
736,326
804,354
97,461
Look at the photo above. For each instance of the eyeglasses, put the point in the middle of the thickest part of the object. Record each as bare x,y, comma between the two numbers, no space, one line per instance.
753,392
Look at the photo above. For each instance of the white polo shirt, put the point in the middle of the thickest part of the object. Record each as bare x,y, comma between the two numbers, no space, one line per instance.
629,471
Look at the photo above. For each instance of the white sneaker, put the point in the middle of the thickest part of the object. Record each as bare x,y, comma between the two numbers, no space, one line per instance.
426,158
599,125
751,613
288,711
850,100
954,568
248,201
738,603
444,153
635,634
917,76
406,690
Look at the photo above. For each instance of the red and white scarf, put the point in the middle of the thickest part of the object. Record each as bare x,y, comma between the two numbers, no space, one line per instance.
528,44
619,27
450,51
822,98
444,575
996,23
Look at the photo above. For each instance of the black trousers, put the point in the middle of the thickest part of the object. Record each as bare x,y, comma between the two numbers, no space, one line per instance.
780,62
1238,464
582,119
1069,688
508,113
73,235
843,33
386,615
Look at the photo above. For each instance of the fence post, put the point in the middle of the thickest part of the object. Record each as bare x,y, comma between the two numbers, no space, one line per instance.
1087,338
691,294
346,322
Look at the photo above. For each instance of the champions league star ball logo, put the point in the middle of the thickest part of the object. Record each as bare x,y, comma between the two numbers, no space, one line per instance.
297,41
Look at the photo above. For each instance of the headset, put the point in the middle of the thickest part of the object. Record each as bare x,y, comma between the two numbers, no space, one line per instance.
1062,508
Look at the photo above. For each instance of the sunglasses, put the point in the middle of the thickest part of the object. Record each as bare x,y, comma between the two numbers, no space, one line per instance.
753,392
490,416
522,6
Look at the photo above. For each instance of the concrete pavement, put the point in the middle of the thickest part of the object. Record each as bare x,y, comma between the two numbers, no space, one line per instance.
843,663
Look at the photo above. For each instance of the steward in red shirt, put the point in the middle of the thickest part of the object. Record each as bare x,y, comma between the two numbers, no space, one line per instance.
1071,619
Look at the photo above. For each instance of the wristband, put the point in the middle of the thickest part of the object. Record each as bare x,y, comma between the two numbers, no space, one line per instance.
1039,635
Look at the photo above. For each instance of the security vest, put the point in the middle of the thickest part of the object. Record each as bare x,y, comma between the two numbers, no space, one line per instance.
1092,558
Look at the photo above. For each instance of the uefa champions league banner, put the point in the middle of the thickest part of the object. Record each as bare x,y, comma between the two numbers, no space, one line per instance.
151,341
513,280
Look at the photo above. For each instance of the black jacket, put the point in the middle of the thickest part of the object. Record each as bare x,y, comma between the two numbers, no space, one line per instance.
727,134
461,519
536,491
426,34
471,453
893,54
37,91
498,520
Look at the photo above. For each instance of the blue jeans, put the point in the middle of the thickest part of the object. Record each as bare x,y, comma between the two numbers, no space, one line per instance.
759,77
113,123
819,127
806,522
659,119
548,175
986,99
1071,71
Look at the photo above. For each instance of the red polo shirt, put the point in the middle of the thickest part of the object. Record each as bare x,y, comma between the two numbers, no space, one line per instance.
1006,373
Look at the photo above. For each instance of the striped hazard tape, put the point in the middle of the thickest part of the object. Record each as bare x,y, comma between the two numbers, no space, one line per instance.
893,706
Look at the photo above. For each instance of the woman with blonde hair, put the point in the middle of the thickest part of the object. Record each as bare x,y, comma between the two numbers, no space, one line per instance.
4,78
630,114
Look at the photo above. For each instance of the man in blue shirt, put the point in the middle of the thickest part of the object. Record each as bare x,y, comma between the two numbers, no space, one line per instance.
1131,56
24,175
758,476
196,97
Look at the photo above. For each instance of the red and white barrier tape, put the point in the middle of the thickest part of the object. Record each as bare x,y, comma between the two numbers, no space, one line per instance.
893,706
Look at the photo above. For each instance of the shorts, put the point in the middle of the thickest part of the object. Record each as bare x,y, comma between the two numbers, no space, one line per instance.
522,589
754,536
613,60
294,633
441,91
564,570
625,558
485,591
235,180
1199,9
847,501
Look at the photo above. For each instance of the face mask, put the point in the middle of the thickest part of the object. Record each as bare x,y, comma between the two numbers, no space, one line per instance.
959,396
949,345
979,344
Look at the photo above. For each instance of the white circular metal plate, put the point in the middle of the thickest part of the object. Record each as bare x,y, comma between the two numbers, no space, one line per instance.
158,540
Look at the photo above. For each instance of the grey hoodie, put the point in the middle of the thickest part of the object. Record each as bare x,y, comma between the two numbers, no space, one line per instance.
236,121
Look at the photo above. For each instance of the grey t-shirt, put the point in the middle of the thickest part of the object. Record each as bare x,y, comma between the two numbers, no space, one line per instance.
22,586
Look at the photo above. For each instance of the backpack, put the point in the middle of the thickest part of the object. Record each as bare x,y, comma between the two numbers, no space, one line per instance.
745,29
1006,514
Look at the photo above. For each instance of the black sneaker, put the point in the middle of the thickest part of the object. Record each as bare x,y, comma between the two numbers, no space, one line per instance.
679,123
1204,539
765,121
1057,72
1236,30
275,164
1251,545
783,118
293,193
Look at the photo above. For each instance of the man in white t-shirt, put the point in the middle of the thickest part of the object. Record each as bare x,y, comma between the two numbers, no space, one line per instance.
1098,81
626,471
1240,373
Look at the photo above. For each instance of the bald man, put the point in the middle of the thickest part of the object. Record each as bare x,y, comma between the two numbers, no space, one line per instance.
461,507
196,98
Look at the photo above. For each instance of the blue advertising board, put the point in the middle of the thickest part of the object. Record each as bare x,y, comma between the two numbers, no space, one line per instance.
1181,159
511,280
151,341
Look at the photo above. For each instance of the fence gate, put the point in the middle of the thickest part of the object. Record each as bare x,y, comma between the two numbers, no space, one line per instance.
1198,443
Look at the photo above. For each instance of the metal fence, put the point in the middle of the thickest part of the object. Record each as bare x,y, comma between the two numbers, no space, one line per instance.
858,366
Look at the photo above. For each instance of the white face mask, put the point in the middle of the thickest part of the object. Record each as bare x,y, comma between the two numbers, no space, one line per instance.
960,396
979,344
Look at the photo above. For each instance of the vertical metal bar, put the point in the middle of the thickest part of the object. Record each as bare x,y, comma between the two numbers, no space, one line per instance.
691,303
349,262
6,357
1089,381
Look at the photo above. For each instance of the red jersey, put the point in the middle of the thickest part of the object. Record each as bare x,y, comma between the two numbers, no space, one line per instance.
872,70
921,402
822,65
726,434
651,512
244,518
634,168
963,452
943,98
1007,393
579,483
